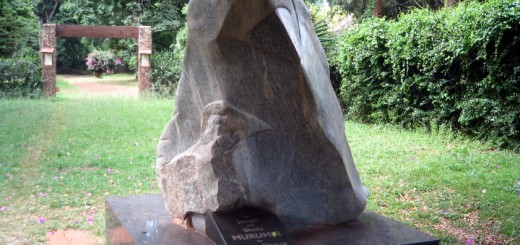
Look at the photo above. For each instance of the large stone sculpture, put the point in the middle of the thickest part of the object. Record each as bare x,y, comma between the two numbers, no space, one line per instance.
257,123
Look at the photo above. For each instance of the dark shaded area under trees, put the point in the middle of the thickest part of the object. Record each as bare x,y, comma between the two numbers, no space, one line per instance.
386,8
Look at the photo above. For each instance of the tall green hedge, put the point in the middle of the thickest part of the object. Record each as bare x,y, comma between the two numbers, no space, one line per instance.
19,78
167,66
458,67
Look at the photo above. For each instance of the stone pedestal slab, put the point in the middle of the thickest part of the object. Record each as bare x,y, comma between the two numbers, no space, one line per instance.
144,220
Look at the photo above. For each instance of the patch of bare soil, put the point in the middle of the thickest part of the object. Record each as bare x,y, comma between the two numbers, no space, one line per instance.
97,87
104,89
72,237
476,232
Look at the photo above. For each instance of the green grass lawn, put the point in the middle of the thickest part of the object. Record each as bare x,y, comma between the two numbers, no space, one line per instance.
456,189
124,79
60,157
64,84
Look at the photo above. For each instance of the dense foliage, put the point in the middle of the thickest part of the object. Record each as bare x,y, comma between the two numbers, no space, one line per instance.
19,56
165,17
458,67
19,78
167,68
18,28
390,8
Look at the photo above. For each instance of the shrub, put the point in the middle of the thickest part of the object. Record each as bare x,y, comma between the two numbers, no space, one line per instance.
167,67
102,61
165,73
362,61
71,54
324,19
458,67
19,78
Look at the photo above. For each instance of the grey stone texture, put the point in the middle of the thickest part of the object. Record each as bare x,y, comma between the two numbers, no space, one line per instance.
257,123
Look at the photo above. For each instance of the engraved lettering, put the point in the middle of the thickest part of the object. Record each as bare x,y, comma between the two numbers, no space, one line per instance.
258,229
247,221
256,235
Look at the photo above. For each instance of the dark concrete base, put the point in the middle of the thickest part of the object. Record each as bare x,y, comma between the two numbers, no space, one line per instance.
144,220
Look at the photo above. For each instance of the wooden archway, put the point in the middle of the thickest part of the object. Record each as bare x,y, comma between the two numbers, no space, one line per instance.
143,34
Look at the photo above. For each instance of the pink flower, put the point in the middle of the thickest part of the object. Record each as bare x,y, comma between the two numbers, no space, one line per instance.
109,170
90,220
52,232
3,208
469,241
89,194
42,194
41,220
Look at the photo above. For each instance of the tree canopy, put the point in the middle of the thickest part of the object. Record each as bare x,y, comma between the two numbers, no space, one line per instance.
165,16
18,28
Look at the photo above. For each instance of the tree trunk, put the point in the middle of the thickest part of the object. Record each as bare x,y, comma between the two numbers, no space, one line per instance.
449,3
378,8
46,9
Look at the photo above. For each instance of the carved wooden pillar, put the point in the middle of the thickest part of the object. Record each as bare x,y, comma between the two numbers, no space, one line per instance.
48,59
144,65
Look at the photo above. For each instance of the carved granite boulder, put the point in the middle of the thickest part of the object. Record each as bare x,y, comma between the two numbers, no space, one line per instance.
257,123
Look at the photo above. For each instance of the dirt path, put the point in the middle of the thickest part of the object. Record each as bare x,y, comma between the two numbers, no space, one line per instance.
72,237
92,86
87,85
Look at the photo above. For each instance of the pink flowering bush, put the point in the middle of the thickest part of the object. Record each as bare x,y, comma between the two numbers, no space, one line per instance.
101,61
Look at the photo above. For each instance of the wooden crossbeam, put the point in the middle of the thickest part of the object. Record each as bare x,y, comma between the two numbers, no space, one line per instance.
97,31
